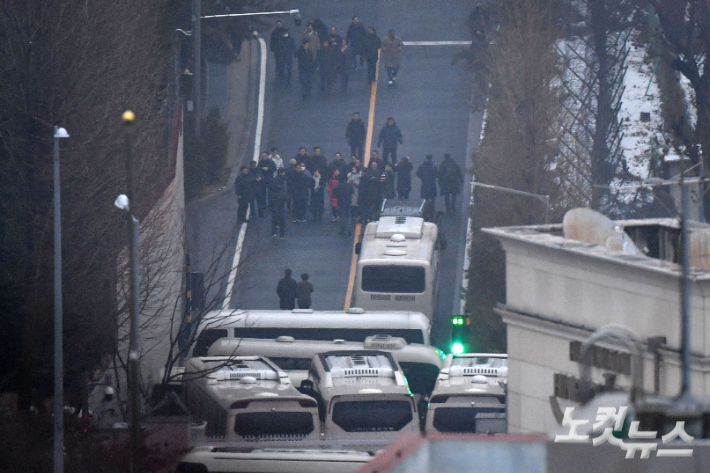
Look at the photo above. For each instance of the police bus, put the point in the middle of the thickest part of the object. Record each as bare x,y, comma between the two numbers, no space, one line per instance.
354,325
470,395
398,262
362,395
420,363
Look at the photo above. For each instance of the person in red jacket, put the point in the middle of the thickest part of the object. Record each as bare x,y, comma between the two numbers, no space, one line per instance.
334,180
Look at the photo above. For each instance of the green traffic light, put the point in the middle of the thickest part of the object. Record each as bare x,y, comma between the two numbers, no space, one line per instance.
457,348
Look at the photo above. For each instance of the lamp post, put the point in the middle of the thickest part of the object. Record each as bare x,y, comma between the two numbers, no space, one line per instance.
123,203
58,339
197,48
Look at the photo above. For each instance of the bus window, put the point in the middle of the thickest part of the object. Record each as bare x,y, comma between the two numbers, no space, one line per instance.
292,364
259,424
421,377
348,334
372,416
206,338
397,279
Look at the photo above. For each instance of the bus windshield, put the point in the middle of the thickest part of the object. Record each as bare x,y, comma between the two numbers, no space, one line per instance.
396,279
372,416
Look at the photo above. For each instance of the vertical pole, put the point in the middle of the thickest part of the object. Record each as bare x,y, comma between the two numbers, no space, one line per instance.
133,372
197,50
133,353
684,286
58,338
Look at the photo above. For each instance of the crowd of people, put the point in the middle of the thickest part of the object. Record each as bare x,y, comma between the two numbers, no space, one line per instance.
324,53
289,189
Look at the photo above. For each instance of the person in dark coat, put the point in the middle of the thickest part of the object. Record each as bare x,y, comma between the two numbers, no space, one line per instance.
327,62
371,49
284,54
278,196
356,37
306,68
244,188
375,158
338,163
256,206
345,64
355,134
390,135
304,288
286,290
317,196
403,170
370,192
267,169
320,28
450,181
301,185
427,173
317,161
343,193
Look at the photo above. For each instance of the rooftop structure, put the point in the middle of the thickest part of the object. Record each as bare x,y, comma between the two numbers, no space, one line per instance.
565,281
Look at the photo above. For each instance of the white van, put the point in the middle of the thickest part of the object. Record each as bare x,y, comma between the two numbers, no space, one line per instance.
246,398
353,325
419,363
470,395
362,395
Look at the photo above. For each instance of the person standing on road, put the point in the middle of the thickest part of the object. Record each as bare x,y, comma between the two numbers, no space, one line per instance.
302,184
284,59
337,164
317,161
243,187
356,37
317,196
343,194
286,290
403,170
388,191
355,134
313,39
450,181
267,169
306,68
371,49
276,158
370,192
304,288
332,184
345,65
392,55
427,173
278,196
389,136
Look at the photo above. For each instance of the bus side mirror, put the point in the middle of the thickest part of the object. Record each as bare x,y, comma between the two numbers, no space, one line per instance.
307,386
358,247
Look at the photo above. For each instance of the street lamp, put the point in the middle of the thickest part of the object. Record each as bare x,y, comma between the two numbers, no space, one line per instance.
123,203
58,339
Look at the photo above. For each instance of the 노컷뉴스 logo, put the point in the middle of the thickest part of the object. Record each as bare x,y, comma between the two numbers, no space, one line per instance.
610,420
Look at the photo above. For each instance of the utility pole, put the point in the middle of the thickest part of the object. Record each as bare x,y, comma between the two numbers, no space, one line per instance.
197,53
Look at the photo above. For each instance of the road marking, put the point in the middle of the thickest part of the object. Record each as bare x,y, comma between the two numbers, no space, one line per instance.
366,150
436,43
257,146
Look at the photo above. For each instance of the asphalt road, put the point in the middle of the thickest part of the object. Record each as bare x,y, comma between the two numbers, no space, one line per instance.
430,103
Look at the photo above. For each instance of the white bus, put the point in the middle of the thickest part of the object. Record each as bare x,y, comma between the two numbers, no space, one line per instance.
246,398
397,267
362,395
353,325
470,395
420,363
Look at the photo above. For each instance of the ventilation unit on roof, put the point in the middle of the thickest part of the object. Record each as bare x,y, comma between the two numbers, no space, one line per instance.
456,371
229,375
354,366
400,220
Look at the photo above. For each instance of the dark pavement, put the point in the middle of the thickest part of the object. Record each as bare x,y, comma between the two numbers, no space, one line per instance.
430,103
